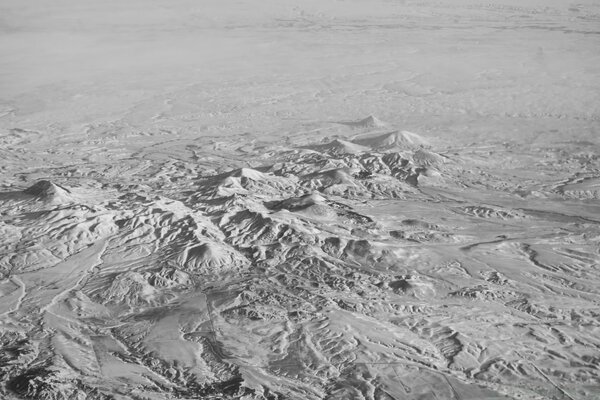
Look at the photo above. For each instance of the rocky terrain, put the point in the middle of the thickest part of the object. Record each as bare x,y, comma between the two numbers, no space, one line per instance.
245,229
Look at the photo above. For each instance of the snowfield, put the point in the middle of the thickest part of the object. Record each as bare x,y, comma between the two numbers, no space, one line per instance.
269,200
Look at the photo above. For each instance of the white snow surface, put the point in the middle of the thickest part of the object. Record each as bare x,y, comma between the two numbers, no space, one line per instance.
333,199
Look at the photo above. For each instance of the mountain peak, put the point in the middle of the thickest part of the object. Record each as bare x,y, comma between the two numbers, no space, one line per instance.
48,190
368,122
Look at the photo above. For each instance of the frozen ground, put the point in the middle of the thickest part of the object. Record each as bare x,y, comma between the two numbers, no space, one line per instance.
300,199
